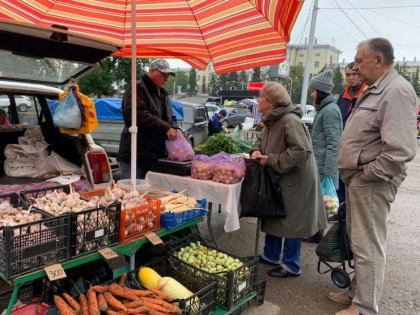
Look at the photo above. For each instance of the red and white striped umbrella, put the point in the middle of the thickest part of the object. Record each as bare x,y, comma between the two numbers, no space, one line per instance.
233,34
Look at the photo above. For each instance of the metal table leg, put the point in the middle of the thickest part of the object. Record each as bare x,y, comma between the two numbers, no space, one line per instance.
257,237
209,212
132,262
12,299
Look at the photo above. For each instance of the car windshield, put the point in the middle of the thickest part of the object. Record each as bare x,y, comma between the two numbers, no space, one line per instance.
42,70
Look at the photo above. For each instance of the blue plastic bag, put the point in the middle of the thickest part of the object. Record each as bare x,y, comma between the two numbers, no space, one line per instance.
330,195
67,114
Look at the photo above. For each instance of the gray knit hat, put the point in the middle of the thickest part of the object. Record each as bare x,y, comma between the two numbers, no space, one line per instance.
322,82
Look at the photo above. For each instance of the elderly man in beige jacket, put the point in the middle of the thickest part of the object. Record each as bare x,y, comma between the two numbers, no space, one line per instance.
377,142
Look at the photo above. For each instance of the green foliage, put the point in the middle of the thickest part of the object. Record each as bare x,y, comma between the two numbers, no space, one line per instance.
214,85
256,75
193,80
415,82
204,85
338,81
219,142
402,70
169,86
100,82
243,81
232,81
294,85
181,79
223,81
122,68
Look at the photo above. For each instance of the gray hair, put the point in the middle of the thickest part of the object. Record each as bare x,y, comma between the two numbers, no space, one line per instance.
381,46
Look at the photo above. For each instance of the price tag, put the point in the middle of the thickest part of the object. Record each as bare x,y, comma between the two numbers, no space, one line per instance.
153,238
55,272
108,253
241,286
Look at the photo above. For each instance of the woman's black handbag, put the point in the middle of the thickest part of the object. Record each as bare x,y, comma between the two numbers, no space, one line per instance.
260,194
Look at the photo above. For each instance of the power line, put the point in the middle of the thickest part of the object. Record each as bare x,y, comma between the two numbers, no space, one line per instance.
367,22
304,27
375,8
350,19
397,20
340,26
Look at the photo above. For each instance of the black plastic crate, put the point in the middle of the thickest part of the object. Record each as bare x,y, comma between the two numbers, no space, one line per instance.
90,229
30,246
232,286
95,229
25,295
257,300
203,301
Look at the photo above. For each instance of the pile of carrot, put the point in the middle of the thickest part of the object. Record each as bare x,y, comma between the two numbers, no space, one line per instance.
116,299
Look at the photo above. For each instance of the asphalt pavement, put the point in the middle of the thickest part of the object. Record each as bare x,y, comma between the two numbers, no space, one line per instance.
307,294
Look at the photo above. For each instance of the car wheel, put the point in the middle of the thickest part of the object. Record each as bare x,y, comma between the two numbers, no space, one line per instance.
23,107
225,123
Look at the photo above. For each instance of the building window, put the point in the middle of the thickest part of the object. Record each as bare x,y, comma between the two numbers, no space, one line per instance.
300,64
317,55
301,55
316,64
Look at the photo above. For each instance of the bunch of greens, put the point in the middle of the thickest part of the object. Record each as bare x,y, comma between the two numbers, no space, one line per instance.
219,142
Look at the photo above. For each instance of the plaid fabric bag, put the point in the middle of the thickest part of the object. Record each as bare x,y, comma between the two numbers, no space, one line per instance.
335,245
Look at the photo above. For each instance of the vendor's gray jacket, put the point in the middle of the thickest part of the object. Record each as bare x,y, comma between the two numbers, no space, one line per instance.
286,141
326,131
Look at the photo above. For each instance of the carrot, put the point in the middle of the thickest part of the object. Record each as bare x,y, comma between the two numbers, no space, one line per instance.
154,312
133,304
93,303
100,288
122,279
111,312
138,310
62,306
121,292
141,292
113,302
73,303
168,306
161,294
156,307
103,306
84,304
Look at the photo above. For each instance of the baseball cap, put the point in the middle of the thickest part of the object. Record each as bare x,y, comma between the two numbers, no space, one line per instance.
162,65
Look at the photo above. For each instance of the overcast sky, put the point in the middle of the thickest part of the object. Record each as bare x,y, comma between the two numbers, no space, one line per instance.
345,28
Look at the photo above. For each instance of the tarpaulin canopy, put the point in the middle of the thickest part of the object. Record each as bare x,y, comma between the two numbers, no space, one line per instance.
233,34
111,108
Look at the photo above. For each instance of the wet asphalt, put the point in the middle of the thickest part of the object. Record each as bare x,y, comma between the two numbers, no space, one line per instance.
307,294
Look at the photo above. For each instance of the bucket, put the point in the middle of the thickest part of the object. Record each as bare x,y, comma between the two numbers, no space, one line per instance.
141,185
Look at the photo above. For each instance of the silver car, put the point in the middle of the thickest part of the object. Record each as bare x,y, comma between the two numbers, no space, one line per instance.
23,102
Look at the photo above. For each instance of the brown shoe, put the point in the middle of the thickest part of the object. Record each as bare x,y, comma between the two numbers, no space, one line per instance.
340,298
351,310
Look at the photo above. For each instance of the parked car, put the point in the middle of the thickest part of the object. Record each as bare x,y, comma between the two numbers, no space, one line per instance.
22,102
25,70
308,119
211,109
235,116
195,124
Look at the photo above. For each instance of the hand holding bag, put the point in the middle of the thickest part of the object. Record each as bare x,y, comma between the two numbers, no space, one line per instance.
260,193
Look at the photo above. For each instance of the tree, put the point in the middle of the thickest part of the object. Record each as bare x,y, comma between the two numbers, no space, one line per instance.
243,81
169,86
256,75
122,68
181,79
415,82
338,81
232,81
294,85
100,82
224,82
402,70
214,85
193,80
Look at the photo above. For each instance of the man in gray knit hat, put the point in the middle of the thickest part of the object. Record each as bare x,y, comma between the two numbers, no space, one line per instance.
326,130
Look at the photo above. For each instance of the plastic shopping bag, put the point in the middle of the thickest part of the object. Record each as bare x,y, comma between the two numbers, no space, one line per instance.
87,109
179,149
202,167
228,169
241,144
260,192
330,195
67,113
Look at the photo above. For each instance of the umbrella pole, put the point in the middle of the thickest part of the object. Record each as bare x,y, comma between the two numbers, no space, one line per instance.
133,128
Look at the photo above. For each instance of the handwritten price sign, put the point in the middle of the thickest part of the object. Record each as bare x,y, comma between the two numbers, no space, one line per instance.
153,238
108,253
55,272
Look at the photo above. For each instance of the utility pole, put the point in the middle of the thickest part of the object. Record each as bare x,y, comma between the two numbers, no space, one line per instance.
304,94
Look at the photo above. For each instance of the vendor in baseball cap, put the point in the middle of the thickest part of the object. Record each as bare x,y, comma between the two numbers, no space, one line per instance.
162,65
